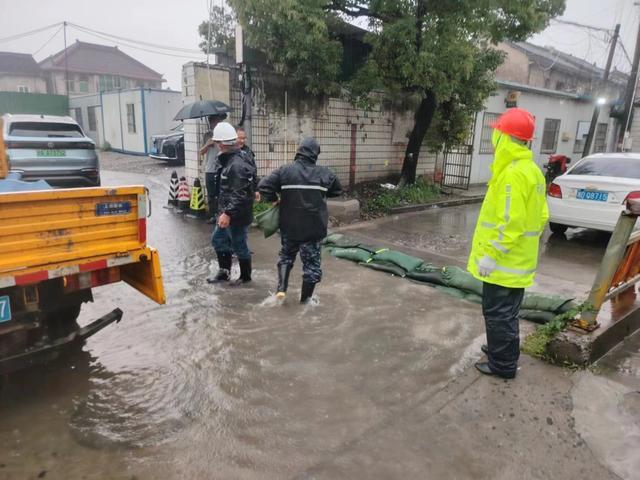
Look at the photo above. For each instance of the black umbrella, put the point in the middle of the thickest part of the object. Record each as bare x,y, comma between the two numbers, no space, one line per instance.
202,108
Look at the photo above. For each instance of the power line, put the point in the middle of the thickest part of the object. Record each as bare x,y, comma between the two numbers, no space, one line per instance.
30,32
140,42
48,41
624,50
581,25
105,37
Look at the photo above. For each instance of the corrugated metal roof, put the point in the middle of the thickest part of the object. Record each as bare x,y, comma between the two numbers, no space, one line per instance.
91,58
19,64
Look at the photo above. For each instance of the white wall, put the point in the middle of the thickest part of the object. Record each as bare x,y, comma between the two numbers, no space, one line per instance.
115,121
11,83
568,110
84,102
161,106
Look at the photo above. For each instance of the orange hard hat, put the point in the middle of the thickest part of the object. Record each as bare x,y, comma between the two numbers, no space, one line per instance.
516,122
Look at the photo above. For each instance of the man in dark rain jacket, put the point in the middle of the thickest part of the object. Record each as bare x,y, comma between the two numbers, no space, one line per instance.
303,188
235,205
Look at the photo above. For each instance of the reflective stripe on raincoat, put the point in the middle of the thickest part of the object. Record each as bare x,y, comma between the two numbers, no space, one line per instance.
512,218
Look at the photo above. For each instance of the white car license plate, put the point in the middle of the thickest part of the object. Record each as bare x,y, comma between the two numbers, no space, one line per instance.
582,194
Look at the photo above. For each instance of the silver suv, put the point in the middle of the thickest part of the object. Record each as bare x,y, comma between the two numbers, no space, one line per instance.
50,148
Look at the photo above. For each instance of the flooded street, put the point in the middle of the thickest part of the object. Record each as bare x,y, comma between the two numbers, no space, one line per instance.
224,383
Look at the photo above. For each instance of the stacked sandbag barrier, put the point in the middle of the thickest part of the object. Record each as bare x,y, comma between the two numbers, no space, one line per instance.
451,280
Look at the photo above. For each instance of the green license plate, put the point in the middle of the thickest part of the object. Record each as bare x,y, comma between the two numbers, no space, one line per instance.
51,153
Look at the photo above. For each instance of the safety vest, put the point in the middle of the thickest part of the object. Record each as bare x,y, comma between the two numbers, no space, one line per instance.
512,218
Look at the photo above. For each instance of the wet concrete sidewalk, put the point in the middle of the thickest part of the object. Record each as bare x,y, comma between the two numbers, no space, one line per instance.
374,380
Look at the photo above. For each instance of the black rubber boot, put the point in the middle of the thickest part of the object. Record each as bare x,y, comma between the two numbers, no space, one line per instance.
307,291
283,280
224,269
245,272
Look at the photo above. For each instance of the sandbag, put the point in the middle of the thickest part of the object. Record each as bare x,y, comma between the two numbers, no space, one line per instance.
339,240
473,297
537,316
269,221
353,254
459,278
387,267
434,277
544,302
402,260
453,292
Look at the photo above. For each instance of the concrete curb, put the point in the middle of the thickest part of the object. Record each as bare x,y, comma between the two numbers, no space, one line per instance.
446,203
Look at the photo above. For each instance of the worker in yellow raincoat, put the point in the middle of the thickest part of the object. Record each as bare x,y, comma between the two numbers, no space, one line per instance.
504,254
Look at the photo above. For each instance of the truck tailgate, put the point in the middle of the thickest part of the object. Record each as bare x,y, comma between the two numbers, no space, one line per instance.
42,228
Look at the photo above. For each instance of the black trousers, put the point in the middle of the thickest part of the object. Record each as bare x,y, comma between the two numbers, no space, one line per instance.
500,307
212,199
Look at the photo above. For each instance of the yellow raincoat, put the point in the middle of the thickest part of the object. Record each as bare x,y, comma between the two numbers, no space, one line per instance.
512,218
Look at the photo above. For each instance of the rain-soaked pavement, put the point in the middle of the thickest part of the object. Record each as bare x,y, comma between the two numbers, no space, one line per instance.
370,381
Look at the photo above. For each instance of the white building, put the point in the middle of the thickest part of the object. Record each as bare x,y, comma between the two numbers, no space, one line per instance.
562,124
126,119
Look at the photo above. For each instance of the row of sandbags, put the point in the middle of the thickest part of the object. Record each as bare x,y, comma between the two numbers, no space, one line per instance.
453,281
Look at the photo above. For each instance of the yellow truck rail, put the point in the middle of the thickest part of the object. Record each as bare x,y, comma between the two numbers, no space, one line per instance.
54,233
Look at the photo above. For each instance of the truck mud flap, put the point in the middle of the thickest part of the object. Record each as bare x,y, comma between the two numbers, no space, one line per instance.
146,276
52,350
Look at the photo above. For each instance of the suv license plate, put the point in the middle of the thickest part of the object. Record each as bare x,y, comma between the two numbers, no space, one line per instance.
51,153
582,194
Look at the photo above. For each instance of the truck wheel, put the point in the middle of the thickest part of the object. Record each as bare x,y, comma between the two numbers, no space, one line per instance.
62,321
558,228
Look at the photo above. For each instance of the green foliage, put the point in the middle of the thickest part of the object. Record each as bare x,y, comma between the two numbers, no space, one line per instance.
535,344
221,33
442,50
415,194
259,207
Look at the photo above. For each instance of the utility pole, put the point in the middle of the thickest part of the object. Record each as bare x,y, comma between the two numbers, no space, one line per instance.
66,66
245,77
630,91
599,103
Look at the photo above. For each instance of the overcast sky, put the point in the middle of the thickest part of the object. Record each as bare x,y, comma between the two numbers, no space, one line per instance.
174,23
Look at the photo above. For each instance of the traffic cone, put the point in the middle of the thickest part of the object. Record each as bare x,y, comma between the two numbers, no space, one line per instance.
183,195
173,190
197,205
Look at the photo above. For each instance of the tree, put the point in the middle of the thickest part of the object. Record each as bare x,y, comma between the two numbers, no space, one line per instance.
219,32
439,53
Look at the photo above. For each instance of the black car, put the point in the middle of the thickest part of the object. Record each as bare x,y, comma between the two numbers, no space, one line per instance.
169,146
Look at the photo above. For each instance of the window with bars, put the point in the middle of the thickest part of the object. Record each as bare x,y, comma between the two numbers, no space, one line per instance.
600,138
488,119
131,117
550,135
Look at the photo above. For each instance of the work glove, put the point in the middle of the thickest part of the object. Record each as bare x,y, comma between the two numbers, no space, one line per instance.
486,266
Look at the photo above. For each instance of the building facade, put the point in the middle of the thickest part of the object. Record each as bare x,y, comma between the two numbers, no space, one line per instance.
92,68
20,73
124,120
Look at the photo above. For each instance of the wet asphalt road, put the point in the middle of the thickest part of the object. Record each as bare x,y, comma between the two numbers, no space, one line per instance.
224,383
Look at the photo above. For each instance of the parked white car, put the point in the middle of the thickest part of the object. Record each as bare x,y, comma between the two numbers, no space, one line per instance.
592,192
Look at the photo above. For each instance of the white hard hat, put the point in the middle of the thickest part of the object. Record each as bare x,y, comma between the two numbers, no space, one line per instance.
225,133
